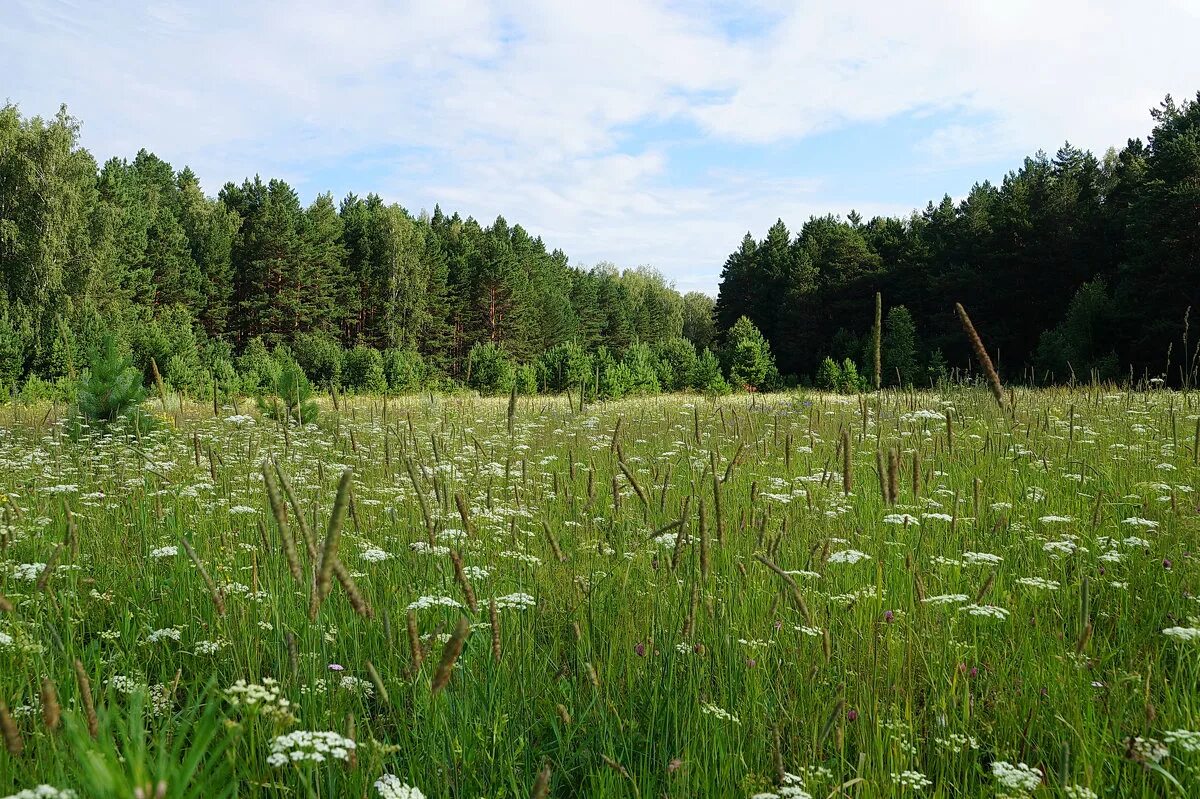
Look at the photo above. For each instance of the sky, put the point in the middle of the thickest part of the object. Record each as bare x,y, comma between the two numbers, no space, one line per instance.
628,131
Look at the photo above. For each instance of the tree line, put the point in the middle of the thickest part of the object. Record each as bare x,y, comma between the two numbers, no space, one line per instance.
1072,267
360,293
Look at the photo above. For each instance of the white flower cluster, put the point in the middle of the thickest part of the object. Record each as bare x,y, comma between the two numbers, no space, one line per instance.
1080,792
28,572
989,611
433,602
901,518
164,552
373,555
1038,582
981,558
848,556
390,787
163,634
1186,740
264,698
946,599
792,787
517,601
1019,777
314,746
43,791
911,779
422,548
713,710
1183,633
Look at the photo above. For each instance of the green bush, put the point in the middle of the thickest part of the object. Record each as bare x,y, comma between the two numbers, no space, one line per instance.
256,368
290,397
676,363
321,357
404,370
490,370
643,369
363,370
749,355
111,388
567,365
829,375
706,375
526,379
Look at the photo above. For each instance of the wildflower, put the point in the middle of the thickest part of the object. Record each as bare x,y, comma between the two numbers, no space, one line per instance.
1019,777
1038,582
990,611
713,710
433,602
1146,749
518,601
1135,521
901,518
1186,740
301,745
1056,519
1183,634
848,556
1080,792
164,552
980,558
44,791
945,599
911,779
162,635
390,787
373,555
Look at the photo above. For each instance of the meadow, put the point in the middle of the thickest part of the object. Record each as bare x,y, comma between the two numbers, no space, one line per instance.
788,595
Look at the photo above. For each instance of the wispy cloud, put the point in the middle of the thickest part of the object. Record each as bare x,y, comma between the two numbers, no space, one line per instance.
533,109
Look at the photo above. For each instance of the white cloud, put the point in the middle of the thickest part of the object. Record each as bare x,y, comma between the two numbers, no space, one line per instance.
525,107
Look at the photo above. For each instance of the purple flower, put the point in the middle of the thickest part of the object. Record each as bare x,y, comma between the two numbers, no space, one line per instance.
851,715
1166,563
336,667
640,648
888,616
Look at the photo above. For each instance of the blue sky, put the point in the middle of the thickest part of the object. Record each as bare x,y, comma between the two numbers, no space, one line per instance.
632,132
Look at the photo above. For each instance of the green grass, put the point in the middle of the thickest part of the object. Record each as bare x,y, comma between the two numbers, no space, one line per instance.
705,684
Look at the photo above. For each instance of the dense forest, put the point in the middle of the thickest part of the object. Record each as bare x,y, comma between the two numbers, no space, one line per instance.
1074,266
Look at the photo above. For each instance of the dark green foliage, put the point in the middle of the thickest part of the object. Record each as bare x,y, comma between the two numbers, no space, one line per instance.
257,369
111,387
899,347
748,355
490,370
321,357
363,370
706,375
404,369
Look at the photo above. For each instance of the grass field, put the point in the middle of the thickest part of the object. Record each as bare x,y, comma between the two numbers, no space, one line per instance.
662,598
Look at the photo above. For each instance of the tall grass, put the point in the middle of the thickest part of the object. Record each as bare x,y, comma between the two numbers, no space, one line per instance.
674,597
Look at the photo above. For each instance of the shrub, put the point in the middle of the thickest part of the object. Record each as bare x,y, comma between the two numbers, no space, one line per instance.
676,361
643,369
257,369
291,395
490,370
706,375
526,379
829,375
321,357
111,387
363,370
749,354
404,370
